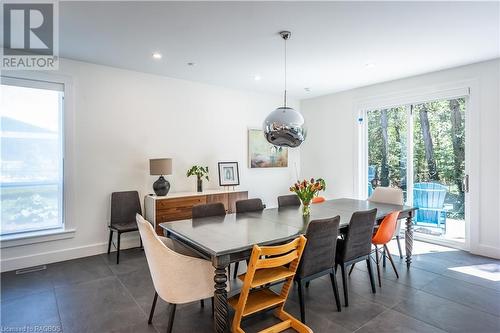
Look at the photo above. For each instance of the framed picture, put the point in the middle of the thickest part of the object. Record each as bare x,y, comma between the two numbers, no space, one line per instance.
262,154
229,174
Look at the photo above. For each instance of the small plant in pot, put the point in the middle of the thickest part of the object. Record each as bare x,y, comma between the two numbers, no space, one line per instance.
200,173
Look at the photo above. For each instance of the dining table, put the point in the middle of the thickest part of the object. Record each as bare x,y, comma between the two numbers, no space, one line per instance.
227,239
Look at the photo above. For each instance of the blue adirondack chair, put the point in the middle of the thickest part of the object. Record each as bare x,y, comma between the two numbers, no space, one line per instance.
429,198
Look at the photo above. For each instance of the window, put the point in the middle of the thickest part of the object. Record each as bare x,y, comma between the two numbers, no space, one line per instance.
421,148
31,135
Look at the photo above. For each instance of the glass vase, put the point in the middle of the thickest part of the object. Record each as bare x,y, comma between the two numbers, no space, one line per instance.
306,208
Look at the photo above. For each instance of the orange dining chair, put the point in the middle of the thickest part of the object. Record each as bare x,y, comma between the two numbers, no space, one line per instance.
316,200
383,236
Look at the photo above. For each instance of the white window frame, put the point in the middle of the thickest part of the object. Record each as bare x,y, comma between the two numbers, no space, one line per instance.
68,228
466,88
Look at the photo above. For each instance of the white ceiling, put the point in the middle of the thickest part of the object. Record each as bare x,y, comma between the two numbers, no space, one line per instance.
331,42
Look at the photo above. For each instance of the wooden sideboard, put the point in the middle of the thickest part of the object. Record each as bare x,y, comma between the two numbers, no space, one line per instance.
177,206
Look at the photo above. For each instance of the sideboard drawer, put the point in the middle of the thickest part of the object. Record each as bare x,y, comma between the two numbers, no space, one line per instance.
180,203
167,209
174,214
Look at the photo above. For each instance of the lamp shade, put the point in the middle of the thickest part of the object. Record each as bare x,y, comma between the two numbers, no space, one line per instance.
285,127
160,166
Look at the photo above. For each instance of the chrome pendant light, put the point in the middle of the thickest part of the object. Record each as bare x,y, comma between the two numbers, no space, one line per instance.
285,127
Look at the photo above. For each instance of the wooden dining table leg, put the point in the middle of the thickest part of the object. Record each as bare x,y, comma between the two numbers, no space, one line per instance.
409,239
221,316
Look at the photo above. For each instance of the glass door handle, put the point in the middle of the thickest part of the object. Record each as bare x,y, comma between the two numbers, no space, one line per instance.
465,184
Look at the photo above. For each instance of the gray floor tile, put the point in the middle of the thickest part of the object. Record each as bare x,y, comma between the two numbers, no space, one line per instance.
130,260
188,317
78,270
472,279
359,312
142,327
458,257
318,321
448,315
259,322
390,294
414,277
394,322
319,300
15,285
95,295
140,286
98,306
38,309
475,296
432,263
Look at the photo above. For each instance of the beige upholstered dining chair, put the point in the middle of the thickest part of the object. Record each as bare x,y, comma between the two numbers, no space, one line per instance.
394,196
177,278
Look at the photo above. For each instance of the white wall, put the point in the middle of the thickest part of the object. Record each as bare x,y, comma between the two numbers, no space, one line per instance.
331,149
121,119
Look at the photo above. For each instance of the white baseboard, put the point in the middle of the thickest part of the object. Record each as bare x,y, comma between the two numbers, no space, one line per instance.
44,258
486,251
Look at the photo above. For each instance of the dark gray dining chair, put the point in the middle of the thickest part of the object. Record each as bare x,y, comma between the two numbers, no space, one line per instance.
124,206
207,210
318,258
288,200
249,205
356,246
245,206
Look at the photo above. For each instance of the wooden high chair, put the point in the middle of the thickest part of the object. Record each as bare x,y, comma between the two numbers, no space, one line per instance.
266,266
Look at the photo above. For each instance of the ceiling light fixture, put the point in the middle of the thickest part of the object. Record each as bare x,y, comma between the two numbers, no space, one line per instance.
285,127
157,55
370,65
257,77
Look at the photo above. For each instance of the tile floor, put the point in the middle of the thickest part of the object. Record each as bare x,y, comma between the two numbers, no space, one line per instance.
444,291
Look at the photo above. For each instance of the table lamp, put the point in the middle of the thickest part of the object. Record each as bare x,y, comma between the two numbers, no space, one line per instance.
160,167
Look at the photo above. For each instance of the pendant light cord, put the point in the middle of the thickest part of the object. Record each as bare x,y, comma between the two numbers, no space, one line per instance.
285,75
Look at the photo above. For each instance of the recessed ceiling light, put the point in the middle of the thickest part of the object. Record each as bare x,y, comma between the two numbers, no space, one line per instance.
257,77
370,65
157,55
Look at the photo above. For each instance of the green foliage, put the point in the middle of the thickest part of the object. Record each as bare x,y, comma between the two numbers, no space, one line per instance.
396,144
306,190
322,182
198,171
448,145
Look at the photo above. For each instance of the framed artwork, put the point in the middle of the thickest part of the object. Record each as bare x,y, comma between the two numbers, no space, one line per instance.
229,174
262,154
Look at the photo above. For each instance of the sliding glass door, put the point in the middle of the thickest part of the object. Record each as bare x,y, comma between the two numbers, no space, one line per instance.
387,148
439,168
420,148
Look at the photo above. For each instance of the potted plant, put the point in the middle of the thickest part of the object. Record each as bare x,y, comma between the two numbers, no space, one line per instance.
306,190
200,173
